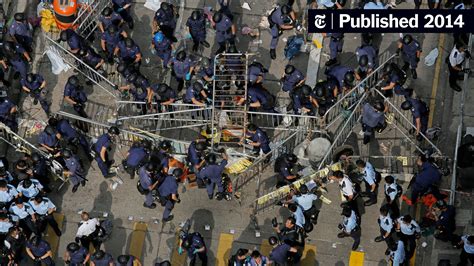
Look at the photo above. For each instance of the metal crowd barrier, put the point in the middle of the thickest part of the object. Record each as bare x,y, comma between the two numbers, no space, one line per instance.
262,163
346,102
460,129
88,17
22,145
81,67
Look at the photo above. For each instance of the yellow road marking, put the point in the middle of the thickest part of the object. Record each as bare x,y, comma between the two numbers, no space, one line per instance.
434,89
137,239
265,248
176,259
356,258
309,255
224,249
51,237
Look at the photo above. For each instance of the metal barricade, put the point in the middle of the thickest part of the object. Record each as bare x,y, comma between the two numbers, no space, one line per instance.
88,17
290,122
81,67
22,145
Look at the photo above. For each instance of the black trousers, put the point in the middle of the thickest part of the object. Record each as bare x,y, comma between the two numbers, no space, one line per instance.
124,13
393,208
49,219
410,245
453,77
202,256
372,195
465,257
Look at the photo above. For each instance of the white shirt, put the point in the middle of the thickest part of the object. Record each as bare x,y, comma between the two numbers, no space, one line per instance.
456,57
391,190
398,256
408,229
305,201
468,247
386,223
87,227
346,186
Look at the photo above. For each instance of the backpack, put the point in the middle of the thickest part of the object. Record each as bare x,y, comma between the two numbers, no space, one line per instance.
293,46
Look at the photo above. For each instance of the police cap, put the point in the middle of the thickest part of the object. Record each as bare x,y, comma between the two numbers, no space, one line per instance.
181,55
291,158
165,145
363,60
113,130
35,157
107,11
178,172
73,247
200,146
306,90
205,62
378,105
196,15
129,43
132,78
217,17
211,158
98,255
123,259
304,189
67,153
73,80
162,87
286,9
112,29
406,105
151,167
407,39
289,69
30,77
49,130
165,6
197,86
349,78
82,52
19,16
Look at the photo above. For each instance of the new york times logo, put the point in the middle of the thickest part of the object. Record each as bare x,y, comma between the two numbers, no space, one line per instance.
320,21
394,21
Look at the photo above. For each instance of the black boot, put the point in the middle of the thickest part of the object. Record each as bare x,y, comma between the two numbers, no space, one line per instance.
273,54
414,74
331,62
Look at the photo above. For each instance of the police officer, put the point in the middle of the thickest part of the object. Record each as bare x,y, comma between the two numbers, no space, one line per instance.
372,119
420,113
101,258
411,52
8,112
164,96
282,18
136,157
206,70
258,139
49,140
163,47
125,71
76,255
283,253
225,30
212,174
426,179
196,154
110,40
386,225
165,20
70,135
302,100
467,252
129,52
196,24
15,55
369,174
284,166
291,79
345,76
239,258
102,148
392,194
5,224
397,252
20,32
347,189
26,216
259,99
168,191
74,94
196,94
92,59
44,209
73,170
109,17
366,57
74,40
335,46
256,73
445,220
162,156
138,86
350,226
456,58
122,7
148,182
324,95
29,188
305,199
127,260
182,68
409,231
39,251
34,85
194,246
393,78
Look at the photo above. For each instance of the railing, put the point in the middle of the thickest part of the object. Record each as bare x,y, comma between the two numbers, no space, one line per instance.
460,129
342,107
282,145
22,145
88,17
81,67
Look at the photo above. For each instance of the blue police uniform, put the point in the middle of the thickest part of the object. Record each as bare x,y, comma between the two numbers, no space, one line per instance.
166,189
43,207
300,100
128,55
289,82
114,19
180,70
111,41
31,191
71,135
254,72
197,242
338,72
35,90
279,254
207,72
395,78
51,141
24,216
335,44
77,173
92,59
163,50
398,256
18,63
370,120
161,97
5,114
105,261
409,53
371,54
195,157
103,141
419,110
79,96
40,250
266,100
260,137
118,6
214,173
146,180
78,257
136,156
224,31
275,20
75,41
447,223
197,29
425,179
166,20
22,33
